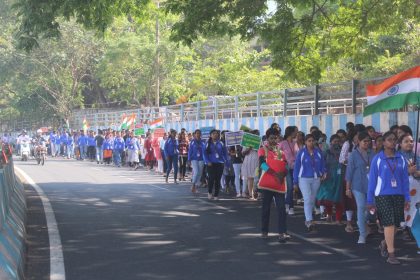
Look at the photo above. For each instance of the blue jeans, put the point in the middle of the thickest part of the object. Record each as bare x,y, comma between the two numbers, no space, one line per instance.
172,160
361,211
83,150
237,169
99,154
309,188
197,166
53,149
117,157
70,150
57,149
289,184
281,210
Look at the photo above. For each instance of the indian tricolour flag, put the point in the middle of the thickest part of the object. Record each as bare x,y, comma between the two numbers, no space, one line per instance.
85,125
394,93
124,120
156,124
131,123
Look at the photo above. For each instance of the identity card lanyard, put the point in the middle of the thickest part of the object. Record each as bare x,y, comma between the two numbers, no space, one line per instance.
313,161
367,163
199,148
393,180
291,149
216,154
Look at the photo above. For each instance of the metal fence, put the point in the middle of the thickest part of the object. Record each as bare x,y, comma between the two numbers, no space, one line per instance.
337,98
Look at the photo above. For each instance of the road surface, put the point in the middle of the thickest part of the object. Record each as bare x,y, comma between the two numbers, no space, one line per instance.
115,223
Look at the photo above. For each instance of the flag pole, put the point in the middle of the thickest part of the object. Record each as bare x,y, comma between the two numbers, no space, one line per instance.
417,134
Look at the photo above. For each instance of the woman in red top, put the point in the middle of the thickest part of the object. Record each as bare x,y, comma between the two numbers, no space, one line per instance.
150,158
183,155
272,183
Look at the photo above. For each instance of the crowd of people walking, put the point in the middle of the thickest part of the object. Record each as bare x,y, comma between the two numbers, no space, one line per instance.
358,171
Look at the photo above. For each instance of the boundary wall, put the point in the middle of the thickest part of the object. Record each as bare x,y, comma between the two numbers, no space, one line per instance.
328,124
12,225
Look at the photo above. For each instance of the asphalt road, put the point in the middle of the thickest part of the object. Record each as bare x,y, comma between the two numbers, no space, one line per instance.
118,224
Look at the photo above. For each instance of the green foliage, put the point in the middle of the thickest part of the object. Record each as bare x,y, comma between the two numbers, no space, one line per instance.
385,55
41,19
305,37
230,48
48,82
81,70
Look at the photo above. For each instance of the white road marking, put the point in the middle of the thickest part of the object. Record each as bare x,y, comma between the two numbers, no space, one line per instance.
57,271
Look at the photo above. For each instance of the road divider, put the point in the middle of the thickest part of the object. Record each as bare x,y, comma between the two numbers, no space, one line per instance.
12,224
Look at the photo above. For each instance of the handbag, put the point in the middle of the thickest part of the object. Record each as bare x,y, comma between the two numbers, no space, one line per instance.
269,181
107,153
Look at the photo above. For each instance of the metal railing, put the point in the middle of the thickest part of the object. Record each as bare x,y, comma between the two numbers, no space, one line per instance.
336,98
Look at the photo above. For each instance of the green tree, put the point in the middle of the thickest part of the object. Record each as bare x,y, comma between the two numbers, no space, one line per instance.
42,19
305,37
49,81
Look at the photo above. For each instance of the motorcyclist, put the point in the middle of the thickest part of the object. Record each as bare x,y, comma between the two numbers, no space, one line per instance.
40,143
23,137
39,138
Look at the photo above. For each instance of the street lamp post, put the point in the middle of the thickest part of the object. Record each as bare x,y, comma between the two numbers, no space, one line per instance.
157,97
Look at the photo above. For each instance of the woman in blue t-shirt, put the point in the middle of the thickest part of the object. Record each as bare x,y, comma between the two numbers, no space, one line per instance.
388,190
214,157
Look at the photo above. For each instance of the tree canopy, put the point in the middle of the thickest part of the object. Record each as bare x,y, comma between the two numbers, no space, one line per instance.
53,60
304,36
119,69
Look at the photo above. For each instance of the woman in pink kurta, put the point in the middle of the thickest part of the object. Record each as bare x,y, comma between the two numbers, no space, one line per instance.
158,154
290,150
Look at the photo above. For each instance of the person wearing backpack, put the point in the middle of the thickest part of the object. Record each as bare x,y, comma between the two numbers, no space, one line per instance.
273,171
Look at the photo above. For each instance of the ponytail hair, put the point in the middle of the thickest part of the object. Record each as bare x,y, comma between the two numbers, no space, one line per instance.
208,149
351,134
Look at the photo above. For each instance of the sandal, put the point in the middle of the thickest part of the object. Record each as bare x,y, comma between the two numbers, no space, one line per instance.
392,259
282,238
349,229
383,249
309,226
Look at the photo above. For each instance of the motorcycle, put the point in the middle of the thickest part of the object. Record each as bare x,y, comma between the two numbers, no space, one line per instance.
25,150
40,154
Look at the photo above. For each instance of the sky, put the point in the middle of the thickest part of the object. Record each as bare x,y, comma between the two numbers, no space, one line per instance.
272,6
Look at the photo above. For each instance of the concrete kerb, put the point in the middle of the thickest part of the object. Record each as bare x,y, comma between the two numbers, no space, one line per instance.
12,225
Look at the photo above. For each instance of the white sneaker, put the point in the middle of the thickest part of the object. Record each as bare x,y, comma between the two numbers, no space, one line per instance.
215,198
238,195
362,240
210,196
244,195
291,211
